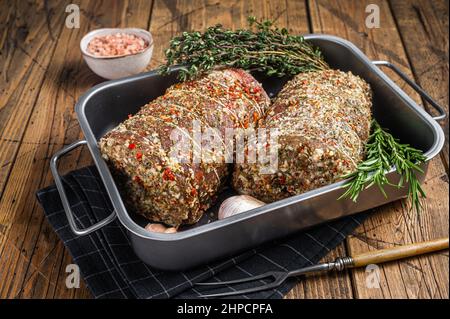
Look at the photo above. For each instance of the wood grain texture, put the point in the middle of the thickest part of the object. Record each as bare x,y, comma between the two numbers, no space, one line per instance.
36,264
399,252
42,75
27,47
423,26
392,224
26,50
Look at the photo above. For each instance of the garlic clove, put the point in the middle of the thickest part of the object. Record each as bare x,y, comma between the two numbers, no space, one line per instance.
170,230
160,228
238,204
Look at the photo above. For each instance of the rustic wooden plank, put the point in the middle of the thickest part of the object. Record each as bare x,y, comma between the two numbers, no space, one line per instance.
130,13
31,219
26,48
392,224
427,49
52,125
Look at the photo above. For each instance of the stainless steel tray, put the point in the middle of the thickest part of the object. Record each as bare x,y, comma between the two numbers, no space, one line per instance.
106,105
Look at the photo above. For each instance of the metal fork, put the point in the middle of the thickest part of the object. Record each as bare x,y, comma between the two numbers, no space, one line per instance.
341,263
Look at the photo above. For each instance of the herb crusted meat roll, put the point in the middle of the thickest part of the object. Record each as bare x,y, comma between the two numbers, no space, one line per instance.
323,120
138,150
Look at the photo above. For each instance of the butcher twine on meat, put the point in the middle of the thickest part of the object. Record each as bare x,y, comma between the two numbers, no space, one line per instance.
138,150
323,120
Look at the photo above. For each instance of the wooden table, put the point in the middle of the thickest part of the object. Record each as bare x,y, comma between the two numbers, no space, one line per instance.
42,75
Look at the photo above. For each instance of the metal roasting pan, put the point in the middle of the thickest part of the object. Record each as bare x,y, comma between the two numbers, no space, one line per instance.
106,105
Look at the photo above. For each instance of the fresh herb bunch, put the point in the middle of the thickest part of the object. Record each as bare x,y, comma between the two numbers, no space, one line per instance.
262,47
384,152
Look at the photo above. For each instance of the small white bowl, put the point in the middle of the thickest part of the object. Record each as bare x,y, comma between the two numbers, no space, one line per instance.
114,67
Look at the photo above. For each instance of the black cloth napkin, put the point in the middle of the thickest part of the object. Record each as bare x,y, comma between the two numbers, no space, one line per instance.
111,269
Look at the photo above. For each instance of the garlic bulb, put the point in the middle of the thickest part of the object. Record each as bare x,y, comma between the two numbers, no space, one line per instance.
238,204
160,228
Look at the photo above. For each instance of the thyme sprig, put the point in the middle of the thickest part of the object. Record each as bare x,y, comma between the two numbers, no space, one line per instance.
262,47
383,152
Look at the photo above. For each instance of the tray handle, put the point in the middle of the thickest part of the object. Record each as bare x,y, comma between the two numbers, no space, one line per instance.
442,114
62,193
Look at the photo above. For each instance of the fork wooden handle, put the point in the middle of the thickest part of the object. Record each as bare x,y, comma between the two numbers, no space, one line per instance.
390,254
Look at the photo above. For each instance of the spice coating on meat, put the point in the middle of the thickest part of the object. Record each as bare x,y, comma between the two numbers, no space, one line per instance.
323,120
138,150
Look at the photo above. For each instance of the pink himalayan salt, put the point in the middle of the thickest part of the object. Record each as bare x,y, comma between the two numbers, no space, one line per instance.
116,44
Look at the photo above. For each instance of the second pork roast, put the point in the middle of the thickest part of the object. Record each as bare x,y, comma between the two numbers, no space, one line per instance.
323,120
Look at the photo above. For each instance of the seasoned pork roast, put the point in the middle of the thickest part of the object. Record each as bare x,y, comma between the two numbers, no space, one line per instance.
138,150
323,120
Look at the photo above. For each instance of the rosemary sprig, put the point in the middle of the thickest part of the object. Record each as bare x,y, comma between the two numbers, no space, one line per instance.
383,152
262,47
